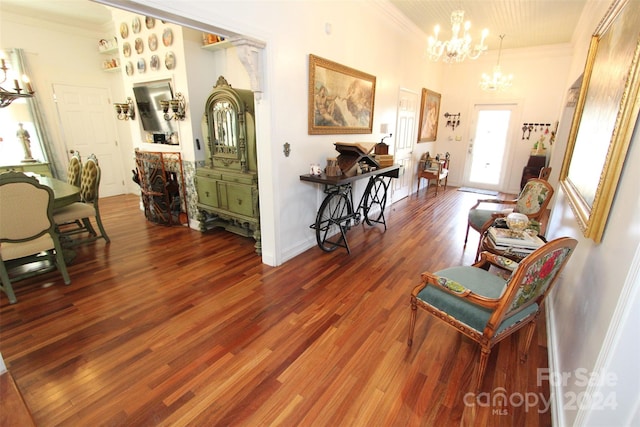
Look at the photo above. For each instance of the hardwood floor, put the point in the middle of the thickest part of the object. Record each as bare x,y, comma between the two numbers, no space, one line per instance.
168,326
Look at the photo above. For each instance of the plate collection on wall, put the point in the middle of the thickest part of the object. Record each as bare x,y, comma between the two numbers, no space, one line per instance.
135,48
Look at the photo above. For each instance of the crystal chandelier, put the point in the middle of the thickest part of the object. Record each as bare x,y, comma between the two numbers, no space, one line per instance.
497,81
457,49
8,96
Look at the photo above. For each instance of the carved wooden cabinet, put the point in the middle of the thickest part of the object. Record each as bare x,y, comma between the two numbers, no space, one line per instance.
228,184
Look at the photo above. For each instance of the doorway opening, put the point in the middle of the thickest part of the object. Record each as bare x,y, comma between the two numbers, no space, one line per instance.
487,153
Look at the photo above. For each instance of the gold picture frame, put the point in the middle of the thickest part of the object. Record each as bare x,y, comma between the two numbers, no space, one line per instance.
604,119
341,99
429,113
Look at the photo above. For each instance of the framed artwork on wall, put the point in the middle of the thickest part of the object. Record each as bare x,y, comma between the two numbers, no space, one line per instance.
604,120
429,112
341,99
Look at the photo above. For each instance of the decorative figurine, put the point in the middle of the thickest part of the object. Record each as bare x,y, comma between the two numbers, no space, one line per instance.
24,136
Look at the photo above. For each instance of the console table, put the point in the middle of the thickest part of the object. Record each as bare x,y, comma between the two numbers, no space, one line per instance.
336,214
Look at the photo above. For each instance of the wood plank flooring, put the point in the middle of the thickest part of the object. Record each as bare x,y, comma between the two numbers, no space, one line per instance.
166,326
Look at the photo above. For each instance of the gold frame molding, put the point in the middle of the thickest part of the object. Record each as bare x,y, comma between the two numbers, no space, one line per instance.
429,115
604,119
331,85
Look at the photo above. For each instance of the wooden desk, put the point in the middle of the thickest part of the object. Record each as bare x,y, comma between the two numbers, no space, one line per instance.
63,193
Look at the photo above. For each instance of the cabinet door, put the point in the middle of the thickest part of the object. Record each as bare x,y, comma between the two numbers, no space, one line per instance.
239,199
207,191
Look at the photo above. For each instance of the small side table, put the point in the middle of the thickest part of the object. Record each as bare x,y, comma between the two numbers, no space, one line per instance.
486,244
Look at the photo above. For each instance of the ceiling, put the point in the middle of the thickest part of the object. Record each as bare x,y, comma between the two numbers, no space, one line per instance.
524,23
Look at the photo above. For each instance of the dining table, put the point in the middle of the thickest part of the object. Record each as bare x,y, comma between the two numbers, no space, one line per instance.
63,193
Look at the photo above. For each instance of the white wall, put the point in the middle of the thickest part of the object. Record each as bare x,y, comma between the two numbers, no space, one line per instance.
588,329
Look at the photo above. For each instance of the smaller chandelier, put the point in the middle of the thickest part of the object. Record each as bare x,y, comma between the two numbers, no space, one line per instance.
456,49
497,81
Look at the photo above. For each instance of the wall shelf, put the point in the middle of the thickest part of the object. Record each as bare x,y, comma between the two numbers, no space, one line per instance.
218,46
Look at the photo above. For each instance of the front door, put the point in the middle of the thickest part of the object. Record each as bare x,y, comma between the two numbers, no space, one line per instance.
487,148
405,138
86,118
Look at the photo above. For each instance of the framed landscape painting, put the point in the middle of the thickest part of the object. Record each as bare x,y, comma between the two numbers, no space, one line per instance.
341,99
604,120
429,112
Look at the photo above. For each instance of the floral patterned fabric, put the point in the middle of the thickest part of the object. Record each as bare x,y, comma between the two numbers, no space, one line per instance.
538,277
452,285
532,197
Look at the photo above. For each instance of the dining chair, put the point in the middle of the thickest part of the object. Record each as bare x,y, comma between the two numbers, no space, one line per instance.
66,217
487,307
74,170
27,231
532,201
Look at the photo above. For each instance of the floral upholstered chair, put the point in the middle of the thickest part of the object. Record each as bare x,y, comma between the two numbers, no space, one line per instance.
532,201
487,307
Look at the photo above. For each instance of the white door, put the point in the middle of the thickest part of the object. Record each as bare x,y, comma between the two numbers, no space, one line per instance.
405,138
486,154
86,118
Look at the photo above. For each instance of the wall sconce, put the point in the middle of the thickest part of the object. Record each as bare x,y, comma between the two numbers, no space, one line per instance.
126,110
453,120
177,106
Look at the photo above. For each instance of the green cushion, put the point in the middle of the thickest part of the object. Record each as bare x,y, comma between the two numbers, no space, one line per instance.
480,282
477,217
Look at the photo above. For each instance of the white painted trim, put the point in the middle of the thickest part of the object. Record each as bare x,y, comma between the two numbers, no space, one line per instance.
555,398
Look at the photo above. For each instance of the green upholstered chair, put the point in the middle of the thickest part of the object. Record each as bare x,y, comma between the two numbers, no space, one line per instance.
487,307
27,231
532,201
76,218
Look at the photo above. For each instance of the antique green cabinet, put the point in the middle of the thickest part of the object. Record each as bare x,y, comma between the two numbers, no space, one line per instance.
227,185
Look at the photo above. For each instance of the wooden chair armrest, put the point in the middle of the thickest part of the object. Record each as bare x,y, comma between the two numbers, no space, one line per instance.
454,288
495,202
488,259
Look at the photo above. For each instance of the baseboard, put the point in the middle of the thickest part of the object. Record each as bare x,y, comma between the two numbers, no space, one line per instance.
555,395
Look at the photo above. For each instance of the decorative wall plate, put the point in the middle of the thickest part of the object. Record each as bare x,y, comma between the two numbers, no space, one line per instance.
153,42
129,68
139,45
150,21
167,37
154,63
126,49
170,61
135,25
124,30
142,65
